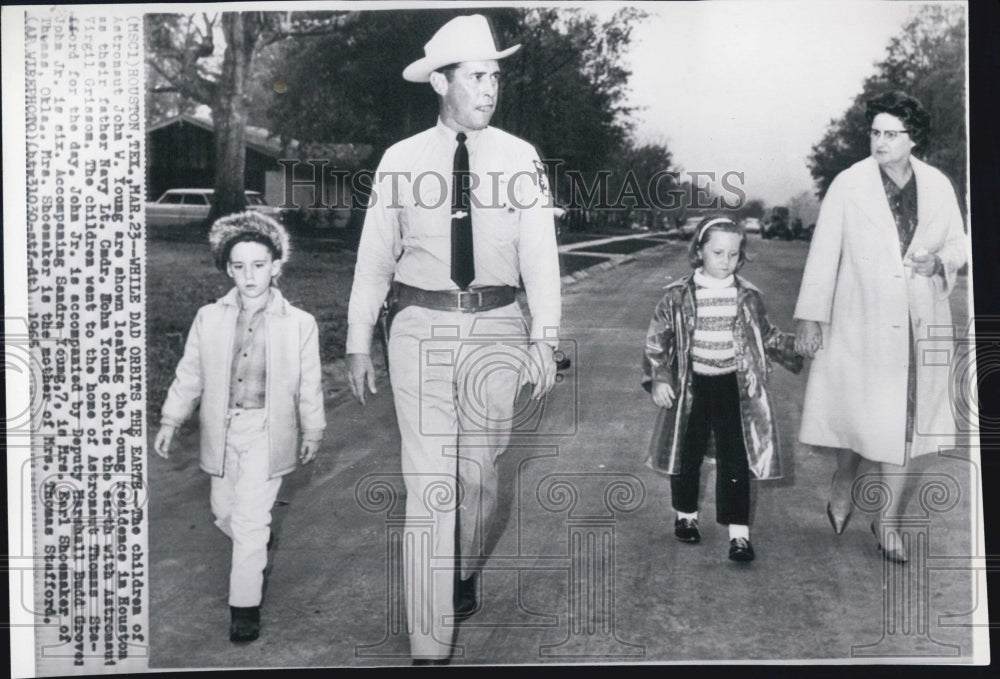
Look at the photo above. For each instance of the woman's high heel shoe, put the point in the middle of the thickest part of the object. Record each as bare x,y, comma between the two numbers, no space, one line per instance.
839,524
896,554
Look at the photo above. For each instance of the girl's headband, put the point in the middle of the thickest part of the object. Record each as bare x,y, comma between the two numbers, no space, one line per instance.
712,222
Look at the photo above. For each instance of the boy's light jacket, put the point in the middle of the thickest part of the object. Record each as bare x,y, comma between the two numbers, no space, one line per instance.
667,358
294,392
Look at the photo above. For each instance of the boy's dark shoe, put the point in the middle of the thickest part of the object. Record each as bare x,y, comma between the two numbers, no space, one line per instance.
245,625
686,530
465,597
740,549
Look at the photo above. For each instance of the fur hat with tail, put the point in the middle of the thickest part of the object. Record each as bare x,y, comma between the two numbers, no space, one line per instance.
247,226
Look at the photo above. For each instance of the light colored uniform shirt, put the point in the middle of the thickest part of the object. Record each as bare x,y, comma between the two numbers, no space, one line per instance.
407,232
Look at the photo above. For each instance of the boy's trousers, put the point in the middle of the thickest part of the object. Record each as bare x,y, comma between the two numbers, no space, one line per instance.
715,408
242,500
455,377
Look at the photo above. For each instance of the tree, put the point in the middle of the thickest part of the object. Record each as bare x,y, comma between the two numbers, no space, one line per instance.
926,60
753,208
182,55
567,95
804,206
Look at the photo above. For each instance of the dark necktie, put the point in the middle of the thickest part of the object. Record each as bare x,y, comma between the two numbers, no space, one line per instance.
463,266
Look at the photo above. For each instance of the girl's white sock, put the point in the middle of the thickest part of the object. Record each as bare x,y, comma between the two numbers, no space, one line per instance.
687,515
738,531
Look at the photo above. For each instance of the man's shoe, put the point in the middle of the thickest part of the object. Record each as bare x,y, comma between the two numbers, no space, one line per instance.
686,530
245,625
839,524
740,549
465,597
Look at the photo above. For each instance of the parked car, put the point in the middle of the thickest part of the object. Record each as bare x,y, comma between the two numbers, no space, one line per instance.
777,225
689,226
184,206
751,225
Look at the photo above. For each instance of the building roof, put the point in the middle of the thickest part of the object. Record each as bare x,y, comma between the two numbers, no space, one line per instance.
262,141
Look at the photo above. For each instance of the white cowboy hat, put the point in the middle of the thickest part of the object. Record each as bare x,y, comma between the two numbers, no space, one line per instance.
465,38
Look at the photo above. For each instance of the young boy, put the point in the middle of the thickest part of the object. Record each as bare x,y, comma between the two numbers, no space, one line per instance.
252,360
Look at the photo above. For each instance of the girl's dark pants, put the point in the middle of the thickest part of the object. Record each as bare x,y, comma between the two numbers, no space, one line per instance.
715,407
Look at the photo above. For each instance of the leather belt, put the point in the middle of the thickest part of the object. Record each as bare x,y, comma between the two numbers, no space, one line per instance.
465,301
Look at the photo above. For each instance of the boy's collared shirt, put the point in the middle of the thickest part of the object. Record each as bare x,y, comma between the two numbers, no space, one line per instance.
248,382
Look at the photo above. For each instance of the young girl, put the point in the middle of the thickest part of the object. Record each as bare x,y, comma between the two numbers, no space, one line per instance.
705,365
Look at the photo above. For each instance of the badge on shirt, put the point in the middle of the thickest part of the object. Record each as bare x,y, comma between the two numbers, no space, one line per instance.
543,179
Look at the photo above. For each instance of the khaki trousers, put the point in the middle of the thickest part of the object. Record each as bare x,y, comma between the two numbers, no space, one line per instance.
455,377
242,499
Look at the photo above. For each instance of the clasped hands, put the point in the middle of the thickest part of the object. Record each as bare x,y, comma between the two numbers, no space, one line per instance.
808,340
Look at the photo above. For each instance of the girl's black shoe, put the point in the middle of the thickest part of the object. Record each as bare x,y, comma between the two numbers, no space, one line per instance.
686,530
740,549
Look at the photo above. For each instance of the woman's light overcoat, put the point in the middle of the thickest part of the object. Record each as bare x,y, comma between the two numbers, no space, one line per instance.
856,287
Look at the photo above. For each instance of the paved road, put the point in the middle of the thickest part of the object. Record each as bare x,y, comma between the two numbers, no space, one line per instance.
584,568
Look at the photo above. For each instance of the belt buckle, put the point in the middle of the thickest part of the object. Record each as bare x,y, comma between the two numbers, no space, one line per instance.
462,296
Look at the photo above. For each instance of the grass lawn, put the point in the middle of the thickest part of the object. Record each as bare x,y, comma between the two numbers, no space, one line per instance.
181,277
570,263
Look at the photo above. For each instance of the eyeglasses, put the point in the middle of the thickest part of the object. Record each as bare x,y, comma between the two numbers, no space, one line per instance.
890,135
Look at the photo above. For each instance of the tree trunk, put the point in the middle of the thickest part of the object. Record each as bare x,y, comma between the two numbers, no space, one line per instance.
229,114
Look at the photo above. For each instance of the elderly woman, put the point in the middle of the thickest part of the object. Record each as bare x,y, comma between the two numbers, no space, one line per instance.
881,266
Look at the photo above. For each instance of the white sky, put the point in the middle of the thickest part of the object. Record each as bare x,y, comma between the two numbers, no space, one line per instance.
751,86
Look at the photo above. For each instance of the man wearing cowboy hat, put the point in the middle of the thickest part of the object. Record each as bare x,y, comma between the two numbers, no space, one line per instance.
458,213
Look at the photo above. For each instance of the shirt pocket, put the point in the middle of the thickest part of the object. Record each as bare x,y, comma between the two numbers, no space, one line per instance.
426,209
495,214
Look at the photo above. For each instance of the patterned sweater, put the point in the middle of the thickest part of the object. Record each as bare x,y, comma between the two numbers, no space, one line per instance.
712,351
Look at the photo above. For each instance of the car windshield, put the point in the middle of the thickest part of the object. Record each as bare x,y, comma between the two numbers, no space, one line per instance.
255,199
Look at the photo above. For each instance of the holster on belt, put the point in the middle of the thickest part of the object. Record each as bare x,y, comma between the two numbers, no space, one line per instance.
385,315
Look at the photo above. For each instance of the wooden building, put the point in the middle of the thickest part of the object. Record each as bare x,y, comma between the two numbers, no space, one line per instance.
180,153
